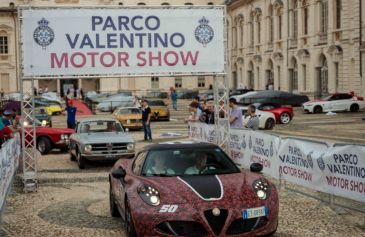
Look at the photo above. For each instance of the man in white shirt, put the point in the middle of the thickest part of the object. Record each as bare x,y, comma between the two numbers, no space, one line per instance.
200,164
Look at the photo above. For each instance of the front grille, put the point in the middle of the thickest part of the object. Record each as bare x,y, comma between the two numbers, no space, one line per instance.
240,226
216,223
109,147
182,228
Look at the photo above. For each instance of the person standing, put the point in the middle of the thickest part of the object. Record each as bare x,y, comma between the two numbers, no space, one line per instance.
71,115
235,118
208,114
146,121
253,121
174,99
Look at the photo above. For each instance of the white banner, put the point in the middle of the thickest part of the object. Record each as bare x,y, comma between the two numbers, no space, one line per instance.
337,170
297,162
9,159
122,41
202,132
247,147
343,170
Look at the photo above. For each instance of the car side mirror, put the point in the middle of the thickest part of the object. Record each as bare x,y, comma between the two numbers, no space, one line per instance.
256,167
119,173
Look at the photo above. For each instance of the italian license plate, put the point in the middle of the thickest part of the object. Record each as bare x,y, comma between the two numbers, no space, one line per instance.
255,212
128,121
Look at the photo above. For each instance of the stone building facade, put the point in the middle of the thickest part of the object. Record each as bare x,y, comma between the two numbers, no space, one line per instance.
306,46
9,51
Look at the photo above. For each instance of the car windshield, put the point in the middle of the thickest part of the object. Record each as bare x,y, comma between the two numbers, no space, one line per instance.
100,126
185,162
130,111
156,103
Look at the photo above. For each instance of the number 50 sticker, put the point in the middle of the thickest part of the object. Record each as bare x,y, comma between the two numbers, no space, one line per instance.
168,208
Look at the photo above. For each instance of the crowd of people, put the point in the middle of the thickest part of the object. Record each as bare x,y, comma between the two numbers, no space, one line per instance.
204,111
9,125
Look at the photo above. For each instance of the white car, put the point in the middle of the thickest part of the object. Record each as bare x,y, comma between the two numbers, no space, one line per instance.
335,102
267,119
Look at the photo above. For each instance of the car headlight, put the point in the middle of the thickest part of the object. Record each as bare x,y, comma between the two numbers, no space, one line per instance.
149,195
63,136
130,146
261,188
44,123
88,148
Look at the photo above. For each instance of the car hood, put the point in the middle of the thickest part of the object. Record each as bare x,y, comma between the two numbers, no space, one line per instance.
313,101
128,116
107,137
228,188
159,108
48,130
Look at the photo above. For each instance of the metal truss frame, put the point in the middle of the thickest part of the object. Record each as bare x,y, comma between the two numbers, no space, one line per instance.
29,149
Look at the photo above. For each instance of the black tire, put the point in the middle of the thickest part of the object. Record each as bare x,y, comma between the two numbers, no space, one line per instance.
114,212
354,108
80,161
270,123
129,224
317,109
285,118
44,145
72,157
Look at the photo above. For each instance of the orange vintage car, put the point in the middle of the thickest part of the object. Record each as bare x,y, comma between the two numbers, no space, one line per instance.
129,117
159,110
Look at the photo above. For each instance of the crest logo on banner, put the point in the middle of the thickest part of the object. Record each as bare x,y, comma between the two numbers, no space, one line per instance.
204,33
43,35
321,163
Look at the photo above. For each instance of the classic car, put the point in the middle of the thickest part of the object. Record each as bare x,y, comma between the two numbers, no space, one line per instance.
239,92
115,101
129,117
50,138
159,110
335,102
41,115
52,107
100,139
272,96
267,119
156,94
283,114
191,189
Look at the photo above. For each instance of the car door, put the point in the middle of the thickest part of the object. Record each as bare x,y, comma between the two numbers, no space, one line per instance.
344,102
331,104
123,185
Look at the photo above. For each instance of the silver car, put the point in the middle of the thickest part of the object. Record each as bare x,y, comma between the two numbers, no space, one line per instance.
100,139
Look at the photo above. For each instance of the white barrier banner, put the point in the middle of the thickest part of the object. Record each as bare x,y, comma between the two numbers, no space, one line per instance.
8,165
202,132
297,162
343,170
249,147
122,41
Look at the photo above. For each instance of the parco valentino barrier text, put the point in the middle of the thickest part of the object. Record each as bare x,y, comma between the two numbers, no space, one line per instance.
9,160
334,169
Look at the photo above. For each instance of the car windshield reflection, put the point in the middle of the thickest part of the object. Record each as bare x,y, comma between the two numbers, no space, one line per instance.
101,126
184,162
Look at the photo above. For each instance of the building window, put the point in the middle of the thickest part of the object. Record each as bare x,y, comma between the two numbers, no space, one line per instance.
324,16
242,34
271,29
337,75
155,82
3,45
338,13
141,3
201,82
259,29
210,3
279,76
295,77
251,30
295,20
280,26
165,4
178,82
120,3
188,3
305,20
304,68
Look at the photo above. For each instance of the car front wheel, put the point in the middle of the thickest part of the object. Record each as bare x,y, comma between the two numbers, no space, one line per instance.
113,207
270,123
285,118
44,145
129,224
354,108
318,109
80,161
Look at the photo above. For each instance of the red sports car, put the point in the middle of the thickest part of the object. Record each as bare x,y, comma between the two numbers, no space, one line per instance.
51,138
283,114
191,189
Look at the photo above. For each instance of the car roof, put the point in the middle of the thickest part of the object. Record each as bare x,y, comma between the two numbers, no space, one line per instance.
96,119
180,145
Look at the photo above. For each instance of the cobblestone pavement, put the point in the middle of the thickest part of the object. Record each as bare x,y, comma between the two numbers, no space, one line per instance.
70,202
